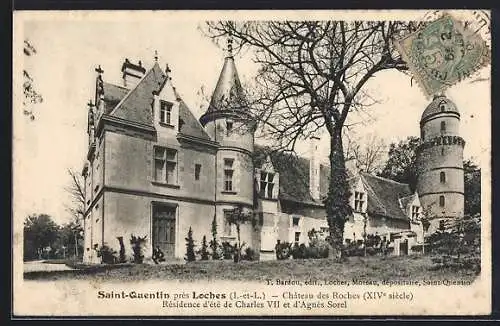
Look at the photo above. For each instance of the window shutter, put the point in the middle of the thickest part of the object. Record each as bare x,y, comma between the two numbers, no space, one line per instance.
276,189
257,180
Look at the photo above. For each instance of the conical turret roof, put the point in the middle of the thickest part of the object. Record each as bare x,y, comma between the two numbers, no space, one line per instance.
228,94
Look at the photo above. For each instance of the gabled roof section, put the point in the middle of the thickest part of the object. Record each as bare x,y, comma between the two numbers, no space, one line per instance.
384,196
190,125
293,171
136,106
113,94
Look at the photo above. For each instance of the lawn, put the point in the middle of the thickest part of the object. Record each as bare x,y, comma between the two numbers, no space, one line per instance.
363,268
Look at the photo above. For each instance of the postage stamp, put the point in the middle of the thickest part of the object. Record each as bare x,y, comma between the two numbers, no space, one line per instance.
443,53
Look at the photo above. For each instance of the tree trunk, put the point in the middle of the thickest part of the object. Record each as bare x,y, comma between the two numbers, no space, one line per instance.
337,204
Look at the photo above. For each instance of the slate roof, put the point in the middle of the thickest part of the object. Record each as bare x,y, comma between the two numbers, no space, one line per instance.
294,175
383,196
135,104
438,104
228,93
113,94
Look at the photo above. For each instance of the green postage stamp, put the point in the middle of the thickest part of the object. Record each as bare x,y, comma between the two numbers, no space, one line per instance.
443,53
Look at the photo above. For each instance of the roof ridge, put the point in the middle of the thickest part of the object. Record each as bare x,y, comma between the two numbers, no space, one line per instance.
367,184
130,92
384,179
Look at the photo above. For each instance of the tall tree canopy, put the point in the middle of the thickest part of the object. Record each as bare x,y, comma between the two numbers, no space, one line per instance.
312,74
400,165
40,231
472,188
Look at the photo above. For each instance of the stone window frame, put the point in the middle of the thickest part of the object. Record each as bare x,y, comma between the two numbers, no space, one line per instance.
267,183
442,177
166,112
166,161
228,174
359,201
197,171
442,201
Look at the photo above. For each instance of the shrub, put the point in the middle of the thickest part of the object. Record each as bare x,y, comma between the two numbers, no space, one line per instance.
216,250
137,246
417,248
203,251
107,254
283,250
190,256
227,250
122,258
250,254
299,251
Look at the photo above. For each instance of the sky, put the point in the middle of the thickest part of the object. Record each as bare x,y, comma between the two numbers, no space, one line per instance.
71,45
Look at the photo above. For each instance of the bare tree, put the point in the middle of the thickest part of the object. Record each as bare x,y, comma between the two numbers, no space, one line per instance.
76,189
368,153
312,74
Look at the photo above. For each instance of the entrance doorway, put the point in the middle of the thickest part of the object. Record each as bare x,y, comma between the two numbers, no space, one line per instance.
403,247
164,228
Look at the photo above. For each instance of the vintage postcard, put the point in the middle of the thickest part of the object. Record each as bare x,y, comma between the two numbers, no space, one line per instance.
251,163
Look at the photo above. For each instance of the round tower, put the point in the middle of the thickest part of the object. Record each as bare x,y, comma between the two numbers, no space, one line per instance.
227,122
440,181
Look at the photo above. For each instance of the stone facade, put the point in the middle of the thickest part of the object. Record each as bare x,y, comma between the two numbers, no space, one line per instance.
154,170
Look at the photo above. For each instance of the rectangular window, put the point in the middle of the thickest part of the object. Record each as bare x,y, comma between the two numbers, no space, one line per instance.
441,201
295,221
266,184
359,201
197,170
165,165
229,126
415,212
165,112
228,174
297,237
227,225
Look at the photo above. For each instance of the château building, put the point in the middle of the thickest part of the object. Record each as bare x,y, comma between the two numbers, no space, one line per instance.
153,169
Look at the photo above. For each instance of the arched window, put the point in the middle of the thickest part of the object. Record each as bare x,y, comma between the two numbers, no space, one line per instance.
443,125
441,201
442,177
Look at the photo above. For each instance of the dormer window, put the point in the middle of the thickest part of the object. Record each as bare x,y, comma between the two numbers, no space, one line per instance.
415,212
166,112
266,184
359,201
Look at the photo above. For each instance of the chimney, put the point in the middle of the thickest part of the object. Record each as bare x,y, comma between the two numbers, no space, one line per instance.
351,166
132,73
314,164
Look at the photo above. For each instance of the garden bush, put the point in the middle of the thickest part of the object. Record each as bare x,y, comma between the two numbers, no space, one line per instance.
107,255
227,250
137,247
250,254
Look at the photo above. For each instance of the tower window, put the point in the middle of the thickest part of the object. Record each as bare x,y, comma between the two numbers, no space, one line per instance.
442,150
229,126
443,126
441,201
442,177
228,174
442,107
197,170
